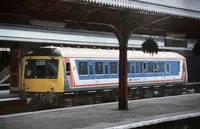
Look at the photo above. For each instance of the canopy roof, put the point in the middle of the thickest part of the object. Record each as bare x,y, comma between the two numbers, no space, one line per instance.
183,20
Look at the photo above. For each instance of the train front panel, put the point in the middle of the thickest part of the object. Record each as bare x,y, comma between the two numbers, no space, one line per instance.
43,74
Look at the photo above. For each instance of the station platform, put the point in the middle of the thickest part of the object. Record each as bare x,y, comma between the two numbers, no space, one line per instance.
5,95
107,115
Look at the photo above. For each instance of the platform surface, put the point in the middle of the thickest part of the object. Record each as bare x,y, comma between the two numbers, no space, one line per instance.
103,115
5,94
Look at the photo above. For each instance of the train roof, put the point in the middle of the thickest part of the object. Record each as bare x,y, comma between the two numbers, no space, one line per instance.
99,53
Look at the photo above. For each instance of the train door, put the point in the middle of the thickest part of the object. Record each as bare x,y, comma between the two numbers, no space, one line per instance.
106,70
132,69
168,71
141,69
159,70
69,73
156,69
173,68
145,72
163,72
91,74
137,71
114,69
150,69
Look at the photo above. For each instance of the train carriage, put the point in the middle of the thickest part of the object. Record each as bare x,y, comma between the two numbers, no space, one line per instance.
58,70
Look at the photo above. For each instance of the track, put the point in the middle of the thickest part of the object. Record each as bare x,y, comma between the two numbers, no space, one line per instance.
14,105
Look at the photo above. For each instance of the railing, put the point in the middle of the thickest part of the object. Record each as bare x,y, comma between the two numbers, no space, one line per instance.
5,78
4,85
5,74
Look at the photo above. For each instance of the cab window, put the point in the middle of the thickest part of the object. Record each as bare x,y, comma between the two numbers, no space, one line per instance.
41,68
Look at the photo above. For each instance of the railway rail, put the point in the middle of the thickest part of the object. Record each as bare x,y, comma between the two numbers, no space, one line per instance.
10,106
15,105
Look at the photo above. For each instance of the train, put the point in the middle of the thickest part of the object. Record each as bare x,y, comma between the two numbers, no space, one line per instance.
50,72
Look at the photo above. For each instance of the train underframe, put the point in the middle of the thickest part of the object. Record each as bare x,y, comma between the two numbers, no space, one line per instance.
38,101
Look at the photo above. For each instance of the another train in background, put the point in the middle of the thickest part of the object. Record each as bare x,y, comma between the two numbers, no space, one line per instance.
52,73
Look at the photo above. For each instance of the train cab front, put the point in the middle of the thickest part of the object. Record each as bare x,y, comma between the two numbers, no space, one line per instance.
42,80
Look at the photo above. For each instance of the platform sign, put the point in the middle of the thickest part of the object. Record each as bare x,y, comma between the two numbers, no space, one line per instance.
175,43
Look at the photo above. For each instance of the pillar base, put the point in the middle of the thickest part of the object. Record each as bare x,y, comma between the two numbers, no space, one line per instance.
123,105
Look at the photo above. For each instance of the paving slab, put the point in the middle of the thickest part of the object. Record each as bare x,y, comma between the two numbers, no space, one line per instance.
104,115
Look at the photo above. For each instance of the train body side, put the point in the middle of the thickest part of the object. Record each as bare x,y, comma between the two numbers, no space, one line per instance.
93,74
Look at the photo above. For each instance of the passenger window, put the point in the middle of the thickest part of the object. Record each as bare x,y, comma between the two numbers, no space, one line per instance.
68,68
133,68
128,67
137,67
150,67
106,68
83,68
144,67
113,67
178,67
141,67
159,67
155,67
163,67
91,68
98,67
167,68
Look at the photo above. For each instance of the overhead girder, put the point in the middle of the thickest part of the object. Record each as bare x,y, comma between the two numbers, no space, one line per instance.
95,15
191,28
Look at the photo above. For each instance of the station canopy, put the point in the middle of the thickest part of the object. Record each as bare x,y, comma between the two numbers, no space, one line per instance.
160,18
146,17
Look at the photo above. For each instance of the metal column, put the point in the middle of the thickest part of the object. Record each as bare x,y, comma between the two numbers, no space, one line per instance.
123,35
123,90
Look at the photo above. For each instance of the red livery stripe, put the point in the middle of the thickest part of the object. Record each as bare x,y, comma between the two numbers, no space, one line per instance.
110,84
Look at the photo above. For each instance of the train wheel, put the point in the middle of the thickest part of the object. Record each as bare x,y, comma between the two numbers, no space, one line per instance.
30,104
192,91
63,102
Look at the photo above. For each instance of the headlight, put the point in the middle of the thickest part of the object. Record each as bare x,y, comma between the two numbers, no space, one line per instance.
27,86
51,87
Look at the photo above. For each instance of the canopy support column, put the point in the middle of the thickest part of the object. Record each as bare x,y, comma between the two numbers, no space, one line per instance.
123,89
123,32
